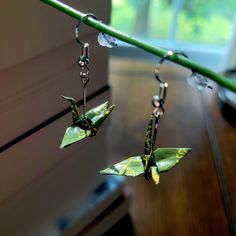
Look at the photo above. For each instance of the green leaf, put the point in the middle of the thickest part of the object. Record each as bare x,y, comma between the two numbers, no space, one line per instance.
73,134
132,166
166,158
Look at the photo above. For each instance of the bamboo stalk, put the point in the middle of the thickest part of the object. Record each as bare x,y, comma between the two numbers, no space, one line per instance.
221,80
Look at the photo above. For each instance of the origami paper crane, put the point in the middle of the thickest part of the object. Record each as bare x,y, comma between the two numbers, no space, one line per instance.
85,125
151,163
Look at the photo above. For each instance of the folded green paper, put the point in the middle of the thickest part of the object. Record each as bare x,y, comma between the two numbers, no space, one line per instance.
85,125
151,163
163,159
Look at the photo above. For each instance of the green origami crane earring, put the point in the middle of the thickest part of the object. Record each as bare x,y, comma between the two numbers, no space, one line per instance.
87,124
153,161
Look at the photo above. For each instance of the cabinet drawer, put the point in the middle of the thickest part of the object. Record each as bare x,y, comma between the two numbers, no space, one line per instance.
29,159
31,91
38,62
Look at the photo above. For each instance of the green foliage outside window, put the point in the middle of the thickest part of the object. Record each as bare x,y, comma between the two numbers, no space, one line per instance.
202,22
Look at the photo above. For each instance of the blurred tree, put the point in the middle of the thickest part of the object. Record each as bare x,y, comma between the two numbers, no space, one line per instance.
196,21
141,18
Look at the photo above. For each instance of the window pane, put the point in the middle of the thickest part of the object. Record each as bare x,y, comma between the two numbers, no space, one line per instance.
205,22
142,18
160,19
185,21
123,13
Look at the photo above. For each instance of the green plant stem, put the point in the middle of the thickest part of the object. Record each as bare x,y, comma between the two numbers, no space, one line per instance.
221,80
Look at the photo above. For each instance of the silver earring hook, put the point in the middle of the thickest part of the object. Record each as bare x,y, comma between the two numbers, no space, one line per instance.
159,100
83,60
78,25
194,79
158,65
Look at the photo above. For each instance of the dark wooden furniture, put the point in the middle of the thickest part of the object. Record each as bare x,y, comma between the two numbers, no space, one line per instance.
195,198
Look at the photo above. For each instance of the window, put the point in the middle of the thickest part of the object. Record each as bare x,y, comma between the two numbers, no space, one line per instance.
199,28
177,21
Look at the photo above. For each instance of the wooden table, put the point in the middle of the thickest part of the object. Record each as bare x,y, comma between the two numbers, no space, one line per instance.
198,196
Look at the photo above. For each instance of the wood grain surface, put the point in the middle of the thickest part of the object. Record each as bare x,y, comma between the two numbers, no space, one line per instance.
188,200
